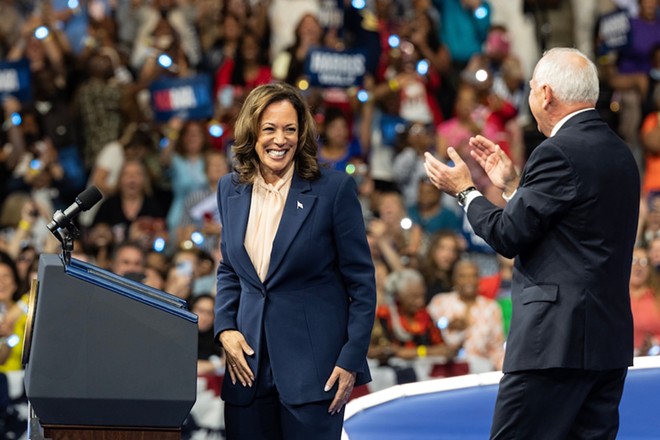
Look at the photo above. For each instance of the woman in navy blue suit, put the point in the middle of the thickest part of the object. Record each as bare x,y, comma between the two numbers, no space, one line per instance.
296,294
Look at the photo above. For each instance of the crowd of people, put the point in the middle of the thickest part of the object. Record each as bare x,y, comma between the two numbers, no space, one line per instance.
437,72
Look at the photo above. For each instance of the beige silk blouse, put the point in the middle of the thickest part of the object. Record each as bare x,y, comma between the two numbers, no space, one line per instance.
266,210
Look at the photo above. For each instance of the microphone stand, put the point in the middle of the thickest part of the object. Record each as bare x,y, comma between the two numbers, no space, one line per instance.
66,234
62,225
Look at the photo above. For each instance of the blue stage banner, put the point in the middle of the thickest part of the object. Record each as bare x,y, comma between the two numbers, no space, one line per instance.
331,68
188,98
15,80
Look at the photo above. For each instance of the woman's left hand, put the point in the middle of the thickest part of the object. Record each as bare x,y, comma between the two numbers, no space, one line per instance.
346,381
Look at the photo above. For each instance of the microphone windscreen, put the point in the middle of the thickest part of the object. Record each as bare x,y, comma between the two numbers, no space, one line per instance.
88,198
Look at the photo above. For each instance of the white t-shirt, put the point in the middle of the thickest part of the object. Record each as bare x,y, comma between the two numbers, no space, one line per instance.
111,159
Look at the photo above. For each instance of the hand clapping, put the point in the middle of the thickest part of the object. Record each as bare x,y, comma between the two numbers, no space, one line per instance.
495,162
451,180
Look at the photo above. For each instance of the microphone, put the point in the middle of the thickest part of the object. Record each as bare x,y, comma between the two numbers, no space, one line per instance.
84,201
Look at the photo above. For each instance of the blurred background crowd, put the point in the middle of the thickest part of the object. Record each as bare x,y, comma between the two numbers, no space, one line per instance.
138,97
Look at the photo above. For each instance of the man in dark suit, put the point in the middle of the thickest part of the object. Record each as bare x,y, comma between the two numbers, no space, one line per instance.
570,222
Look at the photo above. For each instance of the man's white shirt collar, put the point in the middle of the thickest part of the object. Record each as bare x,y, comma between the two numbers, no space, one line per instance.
563,120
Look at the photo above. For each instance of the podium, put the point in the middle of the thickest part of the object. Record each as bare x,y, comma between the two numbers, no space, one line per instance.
107,357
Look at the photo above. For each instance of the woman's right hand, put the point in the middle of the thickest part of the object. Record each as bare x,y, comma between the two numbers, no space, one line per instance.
236,347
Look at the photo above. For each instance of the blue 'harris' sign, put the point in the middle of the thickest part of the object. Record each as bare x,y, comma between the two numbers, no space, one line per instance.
189,98
331,68
15,80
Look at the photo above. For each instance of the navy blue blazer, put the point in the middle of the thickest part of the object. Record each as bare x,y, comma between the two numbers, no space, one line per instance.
571,227
317,304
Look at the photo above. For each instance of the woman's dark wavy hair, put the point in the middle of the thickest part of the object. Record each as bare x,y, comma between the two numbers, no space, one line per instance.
8,261
246,130
238,73
429,268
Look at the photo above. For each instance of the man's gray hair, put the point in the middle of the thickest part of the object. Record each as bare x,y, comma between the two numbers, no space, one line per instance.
572,82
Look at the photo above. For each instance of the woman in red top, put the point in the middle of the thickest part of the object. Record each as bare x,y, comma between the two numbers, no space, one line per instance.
645,302
404,319
247,70
650,137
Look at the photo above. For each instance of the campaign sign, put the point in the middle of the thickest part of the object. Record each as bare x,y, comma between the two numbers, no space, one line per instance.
188,98
613,31
15,80
331,68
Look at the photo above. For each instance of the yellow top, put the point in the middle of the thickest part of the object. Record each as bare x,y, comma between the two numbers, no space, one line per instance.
14,361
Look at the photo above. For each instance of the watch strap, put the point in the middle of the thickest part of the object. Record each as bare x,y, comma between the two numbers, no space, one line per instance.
463,194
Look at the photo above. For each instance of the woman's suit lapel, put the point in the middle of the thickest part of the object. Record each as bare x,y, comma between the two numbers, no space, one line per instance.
297,207
238,210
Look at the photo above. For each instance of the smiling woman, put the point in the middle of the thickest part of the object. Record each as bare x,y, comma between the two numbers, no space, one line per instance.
257,124
277,141
296,293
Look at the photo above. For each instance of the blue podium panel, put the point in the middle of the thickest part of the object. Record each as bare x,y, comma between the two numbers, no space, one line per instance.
103,350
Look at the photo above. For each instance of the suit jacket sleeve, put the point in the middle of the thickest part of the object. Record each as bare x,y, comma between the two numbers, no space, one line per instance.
228,284
356,267
548,188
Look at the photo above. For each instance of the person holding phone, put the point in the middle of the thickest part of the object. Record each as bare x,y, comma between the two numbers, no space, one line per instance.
296,294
